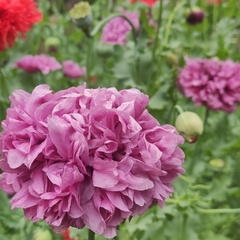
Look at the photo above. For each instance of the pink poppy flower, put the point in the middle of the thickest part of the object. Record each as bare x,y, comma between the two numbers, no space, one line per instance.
211,82
116,30
73,70
38,63
86,157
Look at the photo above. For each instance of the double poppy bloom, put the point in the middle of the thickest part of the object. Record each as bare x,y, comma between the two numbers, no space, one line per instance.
86,157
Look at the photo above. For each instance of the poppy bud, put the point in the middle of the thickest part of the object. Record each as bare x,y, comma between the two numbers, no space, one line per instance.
195,16
189,125
42,235
217,163
172,59
51,44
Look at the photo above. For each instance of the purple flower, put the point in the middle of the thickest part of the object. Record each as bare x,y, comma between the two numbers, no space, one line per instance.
86,157
211,82
37,63
116,30
72,69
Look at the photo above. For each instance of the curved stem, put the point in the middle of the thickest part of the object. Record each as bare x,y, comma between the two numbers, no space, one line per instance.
185,179
180,110
170,21
105,20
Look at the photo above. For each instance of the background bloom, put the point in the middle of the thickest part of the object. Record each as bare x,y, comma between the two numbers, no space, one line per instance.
16,16
149,3
86,157
42,63
211,82
72,69
214,2
116,30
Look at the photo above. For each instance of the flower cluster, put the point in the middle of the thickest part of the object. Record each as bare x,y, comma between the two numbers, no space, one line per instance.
46,64
211,82
86,157
16,16
42,63
117,29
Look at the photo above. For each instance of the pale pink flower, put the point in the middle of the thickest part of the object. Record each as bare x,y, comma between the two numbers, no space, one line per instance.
38,63
86,157
117,29
72,69
211,82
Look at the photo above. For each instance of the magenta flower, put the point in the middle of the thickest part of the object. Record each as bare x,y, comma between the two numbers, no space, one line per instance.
116,30
72,69
211,82
86,157
38,63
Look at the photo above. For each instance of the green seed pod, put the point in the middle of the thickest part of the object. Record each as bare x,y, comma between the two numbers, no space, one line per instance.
81,15
189,125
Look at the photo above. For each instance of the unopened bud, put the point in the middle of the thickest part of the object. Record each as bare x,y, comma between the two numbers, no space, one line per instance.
189,125
195,16
51,44
217,163
172,59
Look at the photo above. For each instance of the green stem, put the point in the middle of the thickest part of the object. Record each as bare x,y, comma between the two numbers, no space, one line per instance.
89,58
159,22
216,211
180,110
183,235
215,17
98,27
91,234
154,48
170,21
185,179
206,116
4,85
189,4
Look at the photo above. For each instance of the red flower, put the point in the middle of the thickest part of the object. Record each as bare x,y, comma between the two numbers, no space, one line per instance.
214,2
149,3
66,235
16,16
